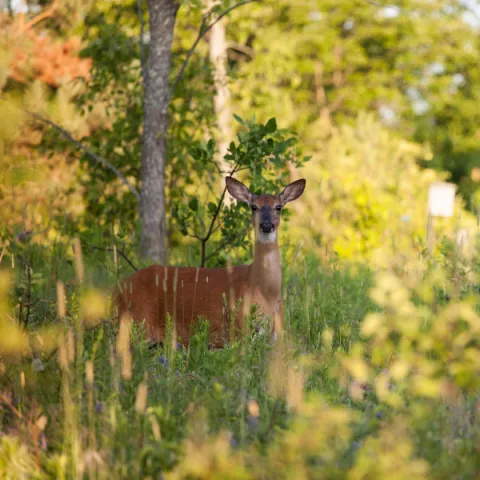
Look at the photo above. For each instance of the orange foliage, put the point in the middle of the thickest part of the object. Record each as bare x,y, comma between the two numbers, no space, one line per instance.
36,55
35,186
52,62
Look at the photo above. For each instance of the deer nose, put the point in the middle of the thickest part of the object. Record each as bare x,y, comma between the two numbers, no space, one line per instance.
266,226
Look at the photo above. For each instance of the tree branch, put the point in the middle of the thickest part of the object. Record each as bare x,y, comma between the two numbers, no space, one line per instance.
205,239
194,235
219,206
5,400
42,16
89,152
81,146
201,33
224,244
219,225
110,249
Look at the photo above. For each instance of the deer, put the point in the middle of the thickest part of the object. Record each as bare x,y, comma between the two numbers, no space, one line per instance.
183,294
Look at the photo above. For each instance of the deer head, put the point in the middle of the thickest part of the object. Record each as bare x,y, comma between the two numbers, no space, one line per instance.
266,209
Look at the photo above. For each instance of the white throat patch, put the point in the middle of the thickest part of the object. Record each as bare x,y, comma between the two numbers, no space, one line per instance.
267,237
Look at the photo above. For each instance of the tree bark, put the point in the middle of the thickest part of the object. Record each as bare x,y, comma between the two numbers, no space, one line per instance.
218,56
162,16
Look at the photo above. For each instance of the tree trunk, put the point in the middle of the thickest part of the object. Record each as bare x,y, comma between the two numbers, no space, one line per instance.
162,16
218,57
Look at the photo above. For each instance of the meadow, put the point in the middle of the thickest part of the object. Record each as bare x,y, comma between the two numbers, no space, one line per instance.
376,376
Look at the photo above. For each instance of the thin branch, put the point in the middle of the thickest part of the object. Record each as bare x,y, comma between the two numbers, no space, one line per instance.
205,239
219,225
220,247
201,33
42,16
203,253
6,401
217,167
223,172
219,206
194,235
110,249
168,219
81,146
140,39
224,244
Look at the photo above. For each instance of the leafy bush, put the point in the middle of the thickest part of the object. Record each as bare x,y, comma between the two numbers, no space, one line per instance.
367,193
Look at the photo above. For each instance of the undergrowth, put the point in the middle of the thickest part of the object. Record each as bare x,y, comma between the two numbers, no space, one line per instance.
376,376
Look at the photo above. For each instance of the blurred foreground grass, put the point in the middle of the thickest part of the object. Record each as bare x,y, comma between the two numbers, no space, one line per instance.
377,376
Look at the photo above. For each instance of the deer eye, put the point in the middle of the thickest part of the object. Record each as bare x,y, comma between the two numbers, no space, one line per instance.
254,208
278,208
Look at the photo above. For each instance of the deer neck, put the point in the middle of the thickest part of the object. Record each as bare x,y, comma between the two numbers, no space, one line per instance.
267,269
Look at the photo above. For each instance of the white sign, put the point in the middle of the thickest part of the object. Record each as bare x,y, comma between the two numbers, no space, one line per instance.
441,199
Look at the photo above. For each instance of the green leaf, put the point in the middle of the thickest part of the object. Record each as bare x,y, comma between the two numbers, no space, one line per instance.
271,125
212,207
238,119
193,204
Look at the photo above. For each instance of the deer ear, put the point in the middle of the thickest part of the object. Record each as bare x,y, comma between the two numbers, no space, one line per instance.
238,190
293,191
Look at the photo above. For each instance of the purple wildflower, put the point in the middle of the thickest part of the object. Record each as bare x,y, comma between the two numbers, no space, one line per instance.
164,361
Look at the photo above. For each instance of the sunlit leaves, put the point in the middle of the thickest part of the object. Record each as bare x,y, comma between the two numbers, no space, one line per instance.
394,456
414,348
262,153
368,196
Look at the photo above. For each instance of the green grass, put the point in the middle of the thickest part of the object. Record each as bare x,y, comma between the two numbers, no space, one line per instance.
102,430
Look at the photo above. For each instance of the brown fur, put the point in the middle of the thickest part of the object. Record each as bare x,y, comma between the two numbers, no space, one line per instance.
187,292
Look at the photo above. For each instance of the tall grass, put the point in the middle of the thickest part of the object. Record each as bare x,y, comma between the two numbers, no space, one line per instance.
376,377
